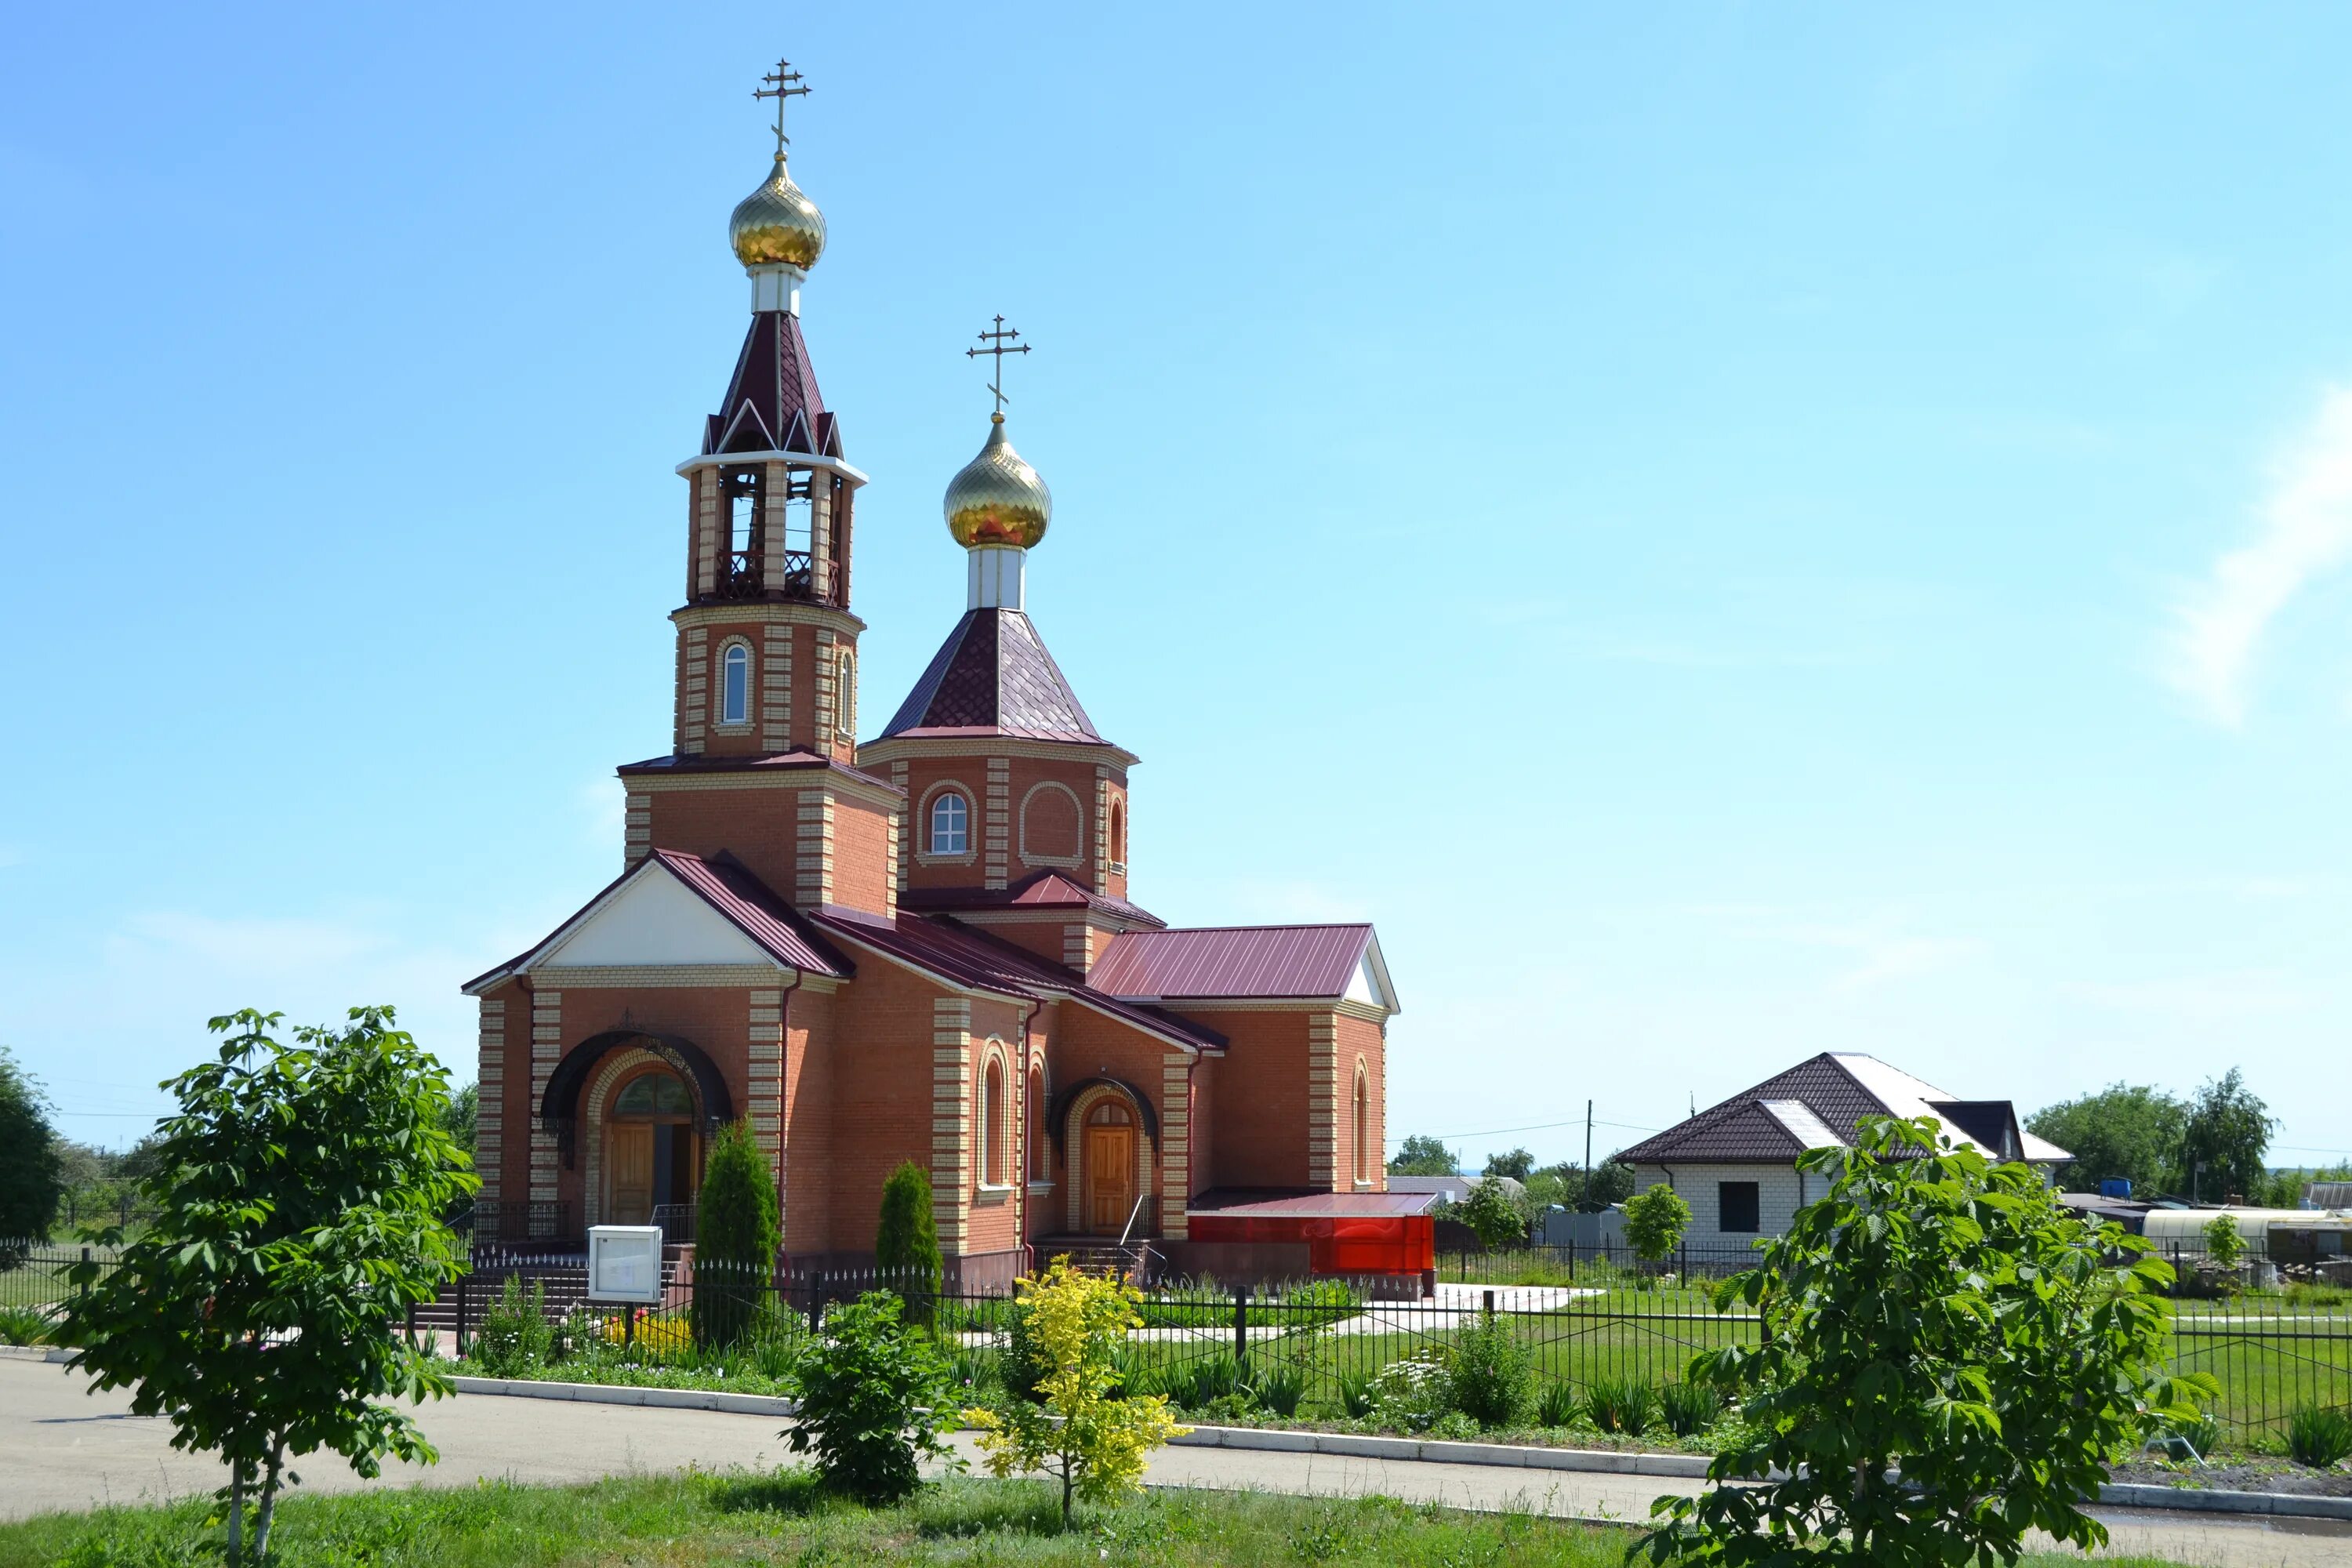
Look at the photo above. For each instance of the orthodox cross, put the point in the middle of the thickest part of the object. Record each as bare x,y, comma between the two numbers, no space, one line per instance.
1000,344
783,82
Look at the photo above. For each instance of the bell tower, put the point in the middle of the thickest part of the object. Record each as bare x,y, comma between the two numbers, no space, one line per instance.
767,647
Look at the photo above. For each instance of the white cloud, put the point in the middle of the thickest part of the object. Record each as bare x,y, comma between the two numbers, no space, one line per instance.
2305,531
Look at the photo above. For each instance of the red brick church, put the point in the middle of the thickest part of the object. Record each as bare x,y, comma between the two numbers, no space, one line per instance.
919,945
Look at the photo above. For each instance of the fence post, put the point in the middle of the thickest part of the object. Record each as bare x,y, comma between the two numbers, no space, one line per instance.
1572,1260
816,1304
1489,1306
1241,1325
85,1258
461,1315
629,1326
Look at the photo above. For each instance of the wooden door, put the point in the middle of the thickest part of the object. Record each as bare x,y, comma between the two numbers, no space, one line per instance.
1111,1178
631,1162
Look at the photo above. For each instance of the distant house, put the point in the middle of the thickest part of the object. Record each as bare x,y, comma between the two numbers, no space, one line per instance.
1735,1163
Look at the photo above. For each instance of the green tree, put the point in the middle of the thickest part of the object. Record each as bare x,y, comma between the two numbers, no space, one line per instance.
2224,1245
1519,1164
736,1237
32,1181
2131,1130
2226,1134
464,1112
906,1242
874,1398
1945,1314
1085,1430
1492,1215
298,1210
1422,1156
1655,1223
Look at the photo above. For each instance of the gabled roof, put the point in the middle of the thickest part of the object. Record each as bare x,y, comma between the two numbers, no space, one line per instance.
1816,1103
1333,962
674,908
1038,890
994,677
964,956
771,403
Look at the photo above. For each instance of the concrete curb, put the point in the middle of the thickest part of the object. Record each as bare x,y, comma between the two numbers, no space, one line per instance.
2193,1500
35,1353
624,1393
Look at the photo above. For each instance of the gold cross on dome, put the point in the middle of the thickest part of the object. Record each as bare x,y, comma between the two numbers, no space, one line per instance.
1000,342
783,82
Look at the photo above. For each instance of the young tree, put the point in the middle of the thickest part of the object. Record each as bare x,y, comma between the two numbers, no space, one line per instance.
873,1397
906,1243
2224,1245
31,1180
1941,1313
736,1237
1519,1164
1655,1222
2131,1130
2223,1141
1492,1215
298,1215
1422,1156
1084,1431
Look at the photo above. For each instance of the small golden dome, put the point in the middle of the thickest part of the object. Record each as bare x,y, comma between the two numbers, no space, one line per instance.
777,223
997,499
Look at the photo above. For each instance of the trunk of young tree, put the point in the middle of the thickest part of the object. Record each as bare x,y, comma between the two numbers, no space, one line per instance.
237,1511
269,1504
1069,1483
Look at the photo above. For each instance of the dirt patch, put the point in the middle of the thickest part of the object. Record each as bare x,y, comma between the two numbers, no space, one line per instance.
2249,1476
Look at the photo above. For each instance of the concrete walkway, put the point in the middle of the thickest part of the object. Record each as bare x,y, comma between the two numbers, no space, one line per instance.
61,1447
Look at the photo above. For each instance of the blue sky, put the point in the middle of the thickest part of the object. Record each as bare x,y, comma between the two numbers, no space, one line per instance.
1729,532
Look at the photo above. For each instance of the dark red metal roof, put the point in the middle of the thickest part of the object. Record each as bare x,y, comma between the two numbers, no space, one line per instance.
994,677
727,886
1039,889
1232,960
785,762
1231,1203
771,403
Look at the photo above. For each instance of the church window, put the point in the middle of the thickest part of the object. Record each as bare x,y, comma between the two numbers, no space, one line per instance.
951,824
1363,1124
992,1123
844,695
654,1094
1119,835
1036,1120
735,685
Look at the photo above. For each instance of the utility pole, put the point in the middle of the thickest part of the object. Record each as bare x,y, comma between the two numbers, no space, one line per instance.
1585,1200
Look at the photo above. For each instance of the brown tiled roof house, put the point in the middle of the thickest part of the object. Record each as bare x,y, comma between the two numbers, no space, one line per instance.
1735,1163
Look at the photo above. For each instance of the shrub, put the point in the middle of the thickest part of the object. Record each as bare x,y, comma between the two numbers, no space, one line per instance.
2224,1245
906,1242
1558,1405
1489,1372
1620,1405
1689,1409
515,1335
23,1326
874,1398
2318,1437
1280,1388
1492,1215
736,1239
1414,1392
1204,1382
1093,1445
1355,1396
1655,1219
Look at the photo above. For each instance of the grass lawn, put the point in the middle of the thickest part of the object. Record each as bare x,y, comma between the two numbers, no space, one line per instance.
741,1518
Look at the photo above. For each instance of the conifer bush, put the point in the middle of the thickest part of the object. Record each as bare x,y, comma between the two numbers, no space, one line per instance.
737,1238
906,1243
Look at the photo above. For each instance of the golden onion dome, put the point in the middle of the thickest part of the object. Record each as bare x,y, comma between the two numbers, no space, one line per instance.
997,499
777,223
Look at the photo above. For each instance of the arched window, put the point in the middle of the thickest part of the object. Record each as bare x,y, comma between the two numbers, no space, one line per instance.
992,1123
735,685
1119,834
1036,1120
844,693
951,824
653,1094
1363,1124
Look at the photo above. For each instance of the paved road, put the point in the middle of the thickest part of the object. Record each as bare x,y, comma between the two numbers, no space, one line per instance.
62,1448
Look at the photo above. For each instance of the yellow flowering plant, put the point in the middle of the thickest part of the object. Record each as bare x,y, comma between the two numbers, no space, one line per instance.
1082,1430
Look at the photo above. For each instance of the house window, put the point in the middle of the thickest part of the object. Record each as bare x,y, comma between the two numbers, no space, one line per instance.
1363,1123
844,695
1737,1207
951,824
1119,835
735,685
991,1123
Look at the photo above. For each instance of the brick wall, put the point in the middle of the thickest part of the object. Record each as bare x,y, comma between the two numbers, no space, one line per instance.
1261,1097
1781,1190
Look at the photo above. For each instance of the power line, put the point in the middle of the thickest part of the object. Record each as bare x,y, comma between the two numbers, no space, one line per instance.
1536,1127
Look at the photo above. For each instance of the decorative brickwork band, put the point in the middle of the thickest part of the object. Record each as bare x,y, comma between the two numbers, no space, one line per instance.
490,1115
997,820
951,1142
775,687
765,1081
812,861
1324,1172
546,1045
1175,1143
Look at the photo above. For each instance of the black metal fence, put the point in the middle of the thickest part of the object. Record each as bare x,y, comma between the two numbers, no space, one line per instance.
1320,1349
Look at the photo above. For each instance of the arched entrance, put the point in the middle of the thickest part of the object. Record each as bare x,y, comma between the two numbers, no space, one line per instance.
653,1155
1107,1148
